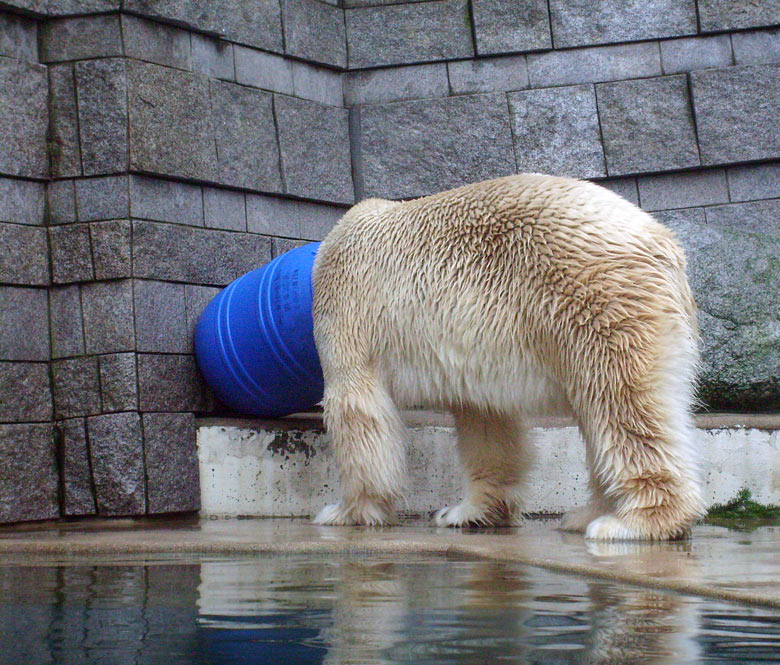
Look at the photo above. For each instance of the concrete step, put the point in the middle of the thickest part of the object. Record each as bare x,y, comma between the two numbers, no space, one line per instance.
283,468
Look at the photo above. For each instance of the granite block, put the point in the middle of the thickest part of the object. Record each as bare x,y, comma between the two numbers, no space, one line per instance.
580,22
683,190
593,65
759,181
716,15
350,4
243,252
102,102
224,209
25,393
257,23
647,125
66,7
284,245
170,383
108,316
691,53
758,47
556,131
24,324
166,201
196,298
507,26
118,382
358,181
64,149
625,187
263,70
488,75
314,144
318,220
212,57
156,42
689,226
28,473
61,202
81,37
24,117
196,256
274,217
18,37
117,454
112,249
67,329
737,113
102,198
171,456
408,33
314,31
22,201
245,137
318,84
170,127
160,320
162,251
71,254
415,148
76,387
24,256
78,496
375,86
757,217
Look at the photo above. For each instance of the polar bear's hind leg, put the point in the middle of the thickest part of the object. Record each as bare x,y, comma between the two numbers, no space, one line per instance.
640,432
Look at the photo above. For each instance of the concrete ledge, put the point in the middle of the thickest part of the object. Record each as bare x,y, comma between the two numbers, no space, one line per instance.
283,468
313,419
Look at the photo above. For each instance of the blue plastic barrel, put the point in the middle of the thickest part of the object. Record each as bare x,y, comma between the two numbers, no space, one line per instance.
255,340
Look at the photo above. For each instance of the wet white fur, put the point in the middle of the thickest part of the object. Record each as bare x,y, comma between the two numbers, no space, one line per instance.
524,295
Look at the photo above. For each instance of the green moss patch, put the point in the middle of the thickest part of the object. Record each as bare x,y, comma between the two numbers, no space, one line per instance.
743,513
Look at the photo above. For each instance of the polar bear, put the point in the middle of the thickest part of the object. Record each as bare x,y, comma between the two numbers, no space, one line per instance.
528,294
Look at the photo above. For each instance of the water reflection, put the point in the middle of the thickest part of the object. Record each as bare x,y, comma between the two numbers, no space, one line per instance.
98,614
342,611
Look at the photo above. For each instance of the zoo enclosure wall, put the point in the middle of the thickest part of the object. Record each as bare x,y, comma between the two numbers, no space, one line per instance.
154,150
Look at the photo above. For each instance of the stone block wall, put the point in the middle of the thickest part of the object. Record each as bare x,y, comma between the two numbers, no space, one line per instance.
153,150
674,105
147,162
29,478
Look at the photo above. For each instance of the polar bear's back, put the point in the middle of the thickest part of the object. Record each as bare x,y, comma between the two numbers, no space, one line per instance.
508,275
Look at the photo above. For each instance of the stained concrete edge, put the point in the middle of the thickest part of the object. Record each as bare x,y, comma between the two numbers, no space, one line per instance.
261,469
422,418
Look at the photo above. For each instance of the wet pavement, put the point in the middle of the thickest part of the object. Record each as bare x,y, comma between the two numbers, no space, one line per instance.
716,563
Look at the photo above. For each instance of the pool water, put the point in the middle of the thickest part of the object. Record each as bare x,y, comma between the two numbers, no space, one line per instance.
360,610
